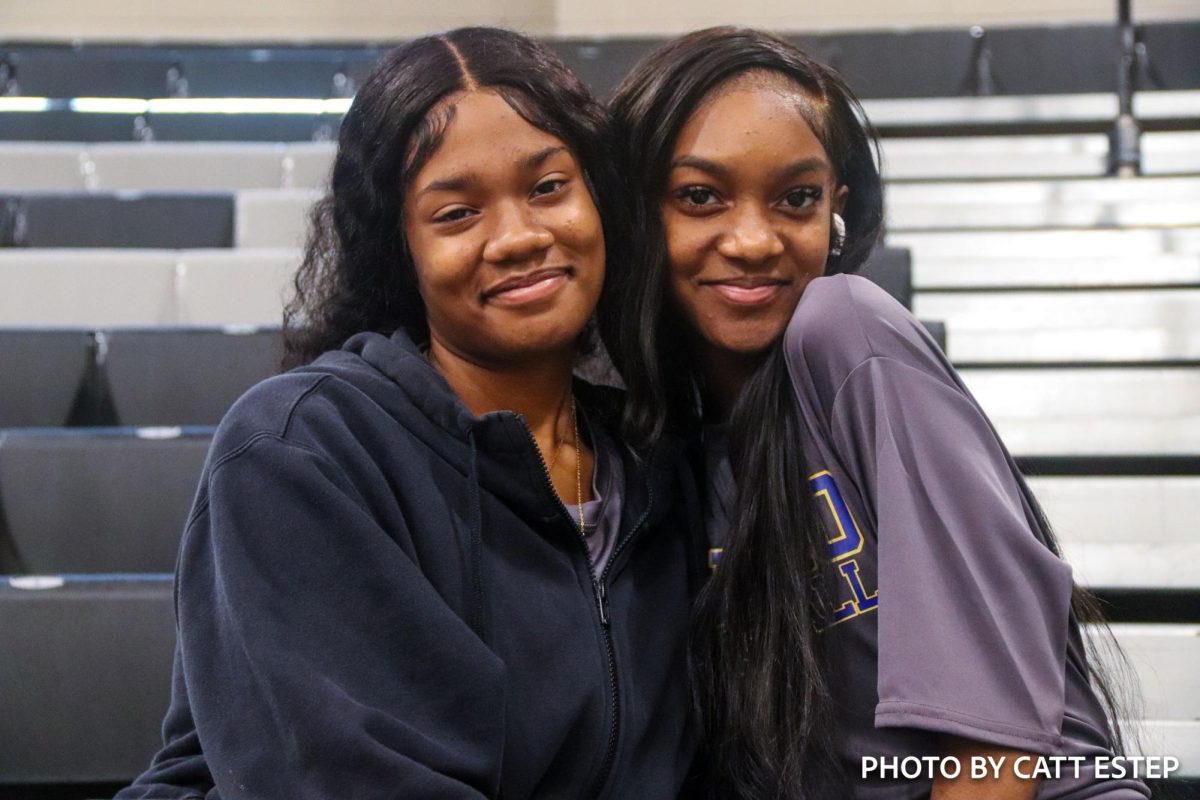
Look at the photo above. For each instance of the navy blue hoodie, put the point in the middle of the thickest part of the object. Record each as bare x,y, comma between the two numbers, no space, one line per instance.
380,596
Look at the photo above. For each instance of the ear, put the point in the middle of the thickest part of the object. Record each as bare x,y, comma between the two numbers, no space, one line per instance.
839,199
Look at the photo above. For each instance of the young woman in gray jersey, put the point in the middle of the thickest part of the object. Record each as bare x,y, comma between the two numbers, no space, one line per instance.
887,587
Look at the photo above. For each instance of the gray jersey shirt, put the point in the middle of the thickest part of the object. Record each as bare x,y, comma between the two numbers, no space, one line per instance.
952,615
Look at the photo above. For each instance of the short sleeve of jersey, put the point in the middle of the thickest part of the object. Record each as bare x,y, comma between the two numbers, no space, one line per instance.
973,608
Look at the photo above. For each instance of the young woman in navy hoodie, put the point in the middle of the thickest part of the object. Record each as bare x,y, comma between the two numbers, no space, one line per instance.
420,565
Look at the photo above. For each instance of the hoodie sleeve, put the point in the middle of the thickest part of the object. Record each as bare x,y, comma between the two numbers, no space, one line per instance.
319,661
179,771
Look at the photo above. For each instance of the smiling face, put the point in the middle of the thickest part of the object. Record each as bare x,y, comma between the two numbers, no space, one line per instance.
506,240
747,213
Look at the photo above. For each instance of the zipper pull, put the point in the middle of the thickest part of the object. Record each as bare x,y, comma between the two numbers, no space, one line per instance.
601,592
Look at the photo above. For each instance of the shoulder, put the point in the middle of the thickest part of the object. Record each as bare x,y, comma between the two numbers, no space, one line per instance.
844,321
309,408
840,322
846,313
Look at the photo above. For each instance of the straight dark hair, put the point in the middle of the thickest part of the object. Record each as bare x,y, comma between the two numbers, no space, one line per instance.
357,273
756,662
757,665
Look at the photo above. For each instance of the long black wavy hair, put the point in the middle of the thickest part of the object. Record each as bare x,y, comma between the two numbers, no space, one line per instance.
759,673
357,273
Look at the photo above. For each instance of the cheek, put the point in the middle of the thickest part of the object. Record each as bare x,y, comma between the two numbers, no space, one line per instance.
683,293
580,227
686,239
579,230
444,278
810,249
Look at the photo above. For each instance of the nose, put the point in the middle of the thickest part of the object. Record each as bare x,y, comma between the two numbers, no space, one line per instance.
517,236
751,237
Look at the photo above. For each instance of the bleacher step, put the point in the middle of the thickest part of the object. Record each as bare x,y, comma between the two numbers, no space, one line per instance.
112,288
1078,203
1134,244
1031,271
1039,156
1160,566
1118,325
1047,111
1106,510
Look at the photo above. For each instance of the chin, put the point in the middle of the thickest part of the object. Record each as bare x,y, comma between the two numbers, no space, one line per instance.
746,340
542,342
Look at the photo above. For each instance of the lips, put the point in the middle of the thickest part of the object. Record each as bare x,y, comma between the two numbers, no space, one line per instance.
748,291
527,287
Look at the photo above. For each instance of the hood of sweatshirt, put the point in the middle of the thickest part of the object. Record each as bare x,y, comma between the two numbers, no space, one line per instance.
496,450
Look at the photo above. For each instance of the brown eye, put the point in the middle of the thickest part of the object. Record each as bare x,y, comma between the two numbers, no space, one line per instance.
697,196
548,187
802,198
453,215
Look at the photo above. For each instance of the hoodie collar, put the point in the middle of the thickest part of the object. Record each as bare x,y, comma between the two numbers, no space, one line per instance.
509,464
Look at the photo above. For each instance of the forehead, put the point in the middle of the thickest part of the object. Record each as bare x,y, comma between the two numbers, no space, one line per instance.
756,113
483,130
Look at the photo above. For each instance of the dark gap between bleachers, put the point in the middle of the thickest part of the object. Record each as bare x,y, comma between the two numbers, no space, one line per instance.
1112,465
122,219
1150,605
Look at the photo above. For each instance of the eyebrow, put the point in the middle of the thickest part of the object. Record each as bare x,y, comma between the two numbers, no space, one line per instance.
539,158
457,183
813,164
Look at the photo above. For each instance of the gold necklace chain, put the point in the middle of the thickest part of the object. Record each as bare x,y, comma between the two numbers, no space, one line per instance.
558,445
578,465
558,448
578,468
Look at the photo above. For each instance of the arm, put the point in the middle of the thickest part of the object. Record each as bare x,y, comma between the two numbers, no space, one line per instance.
1005,787
974,609
319,660
179,770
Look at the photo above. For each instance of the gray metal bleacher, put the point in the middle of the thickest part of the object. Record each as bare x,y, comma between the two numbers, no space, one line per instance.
187,376
97,500
1086,325
159,376
1070,302
116,287
86,678
163,166
234,166
90,520
1090,411
42,372
116,220
1058,204
1033,272
1093,515
1040,156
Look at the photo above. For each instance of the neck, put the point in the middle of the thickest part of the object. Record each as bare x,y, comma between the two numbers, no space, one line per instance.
537,389
540,391
725,376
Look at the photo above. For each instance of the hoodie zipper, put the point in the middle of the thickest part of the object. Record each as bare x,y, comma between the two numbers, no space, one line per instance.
610,753
600,596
